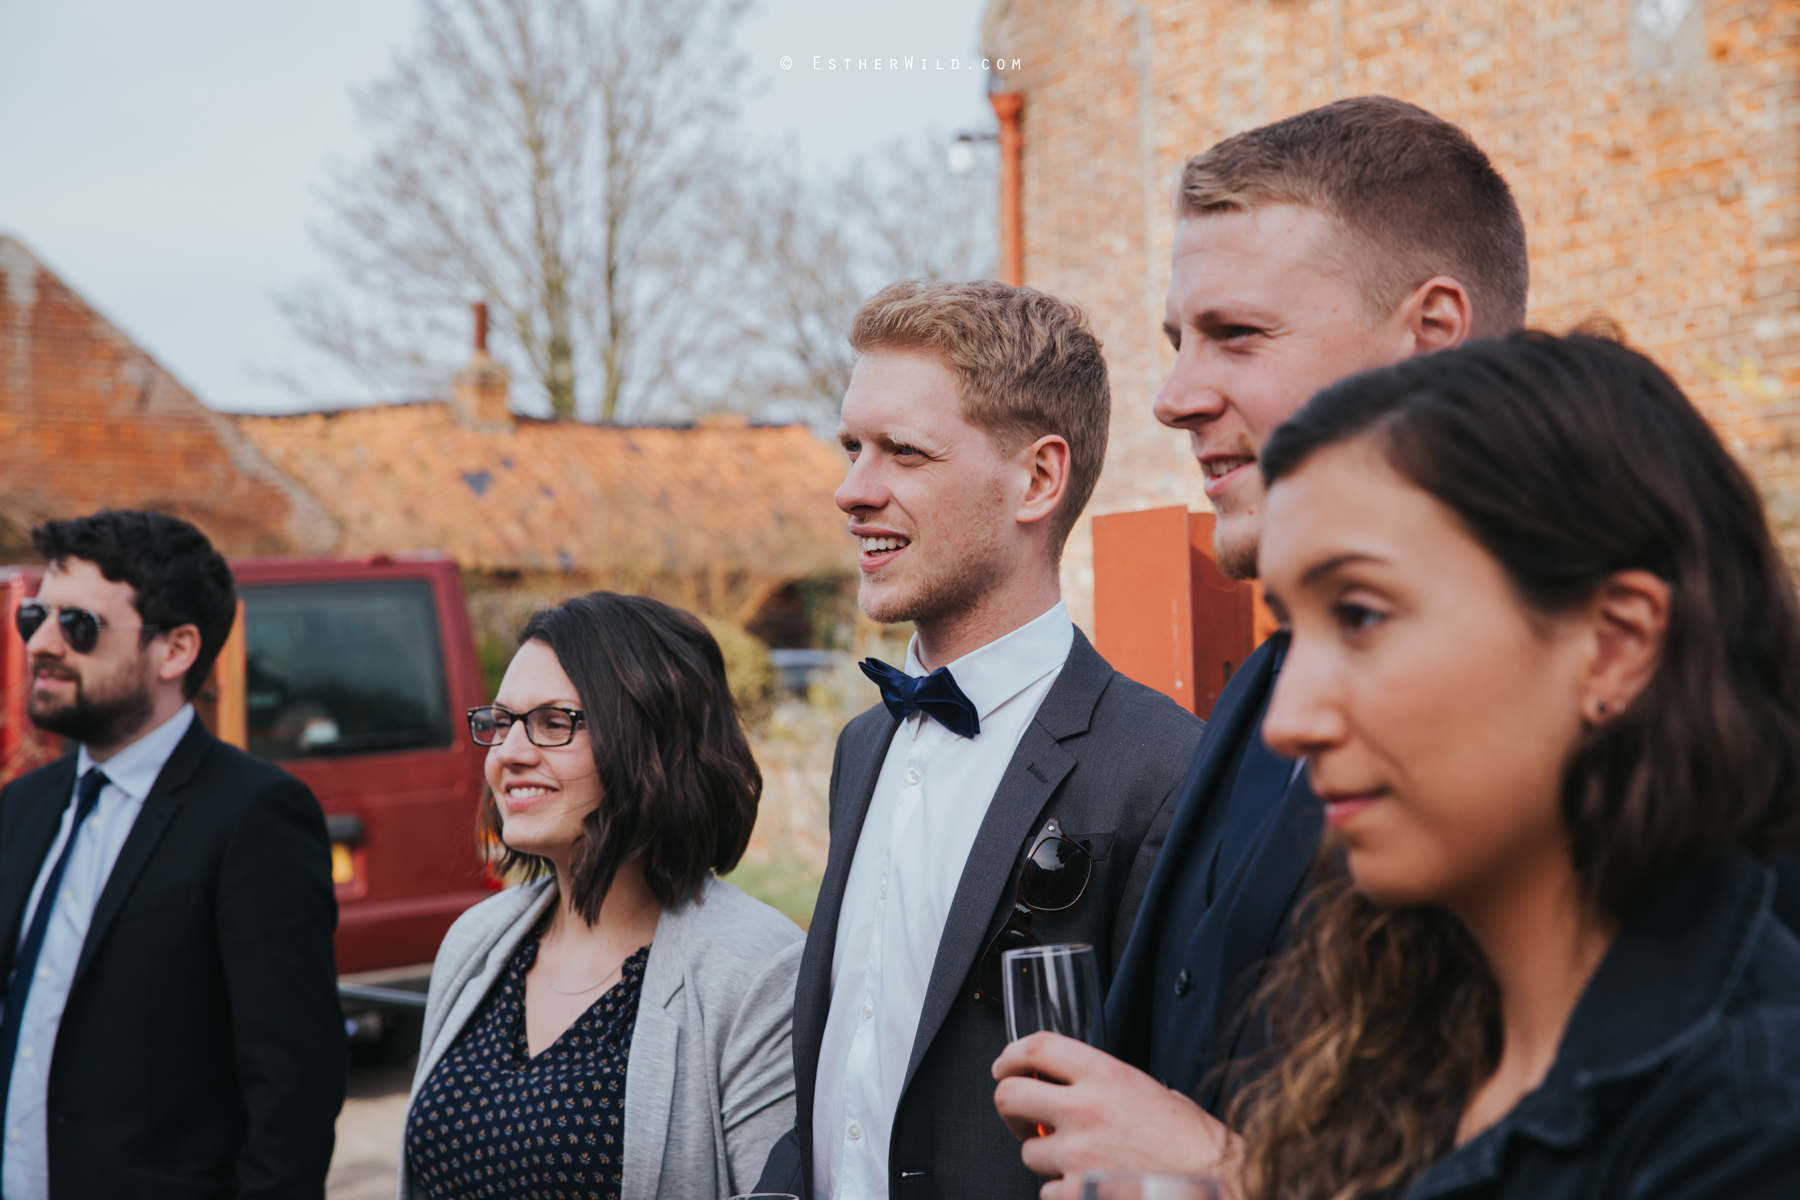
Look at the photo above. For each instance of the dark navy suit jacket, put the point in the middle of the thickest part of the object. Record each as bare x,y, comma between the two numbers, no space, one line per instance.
1181,1031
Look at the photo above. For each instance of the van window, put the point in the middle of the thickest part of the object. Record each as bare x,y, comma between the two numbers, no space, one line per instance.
335,669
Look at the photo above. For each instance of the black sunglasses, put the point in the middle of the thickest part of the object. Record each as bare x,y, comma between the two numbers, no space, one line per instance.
546,726
80,628
1055,878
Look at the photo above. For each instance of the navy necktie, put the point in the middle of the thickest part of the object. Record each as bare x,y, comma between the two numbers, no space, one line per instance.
936,695
87,794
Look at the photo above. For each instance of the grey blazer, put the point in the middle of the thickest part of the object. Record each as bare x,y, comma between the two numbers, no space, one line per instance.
1106,757
710,1082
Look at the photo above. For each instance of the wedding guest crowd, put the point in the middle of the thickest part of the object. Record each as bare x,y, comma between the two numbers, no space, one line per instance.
1465,888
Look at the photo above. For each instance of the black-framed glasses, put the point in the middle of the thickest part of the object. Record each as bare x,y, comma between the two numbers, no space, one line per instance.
1055,877
80,628
546,726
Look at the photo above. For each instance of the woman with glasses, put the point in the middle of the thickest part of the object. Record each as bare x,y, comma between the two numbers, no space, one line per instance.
1545,675
618,1025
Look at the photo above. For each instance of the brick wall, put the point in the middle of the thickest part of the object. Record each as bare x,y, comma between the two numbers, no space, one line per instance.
1651,144
89,421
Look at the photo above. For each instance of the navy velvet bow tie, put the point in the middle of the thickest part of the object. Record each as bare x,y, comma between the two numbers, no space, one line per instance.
936,695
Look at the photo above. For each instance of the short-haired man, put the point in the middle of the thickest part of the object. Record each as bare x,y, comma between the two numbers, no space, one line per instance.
1341,239
171,1024
976,426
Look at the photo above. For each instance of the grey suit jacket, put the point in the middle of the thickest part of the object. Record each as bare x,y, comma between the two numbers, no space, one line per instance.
709,1086
1106,757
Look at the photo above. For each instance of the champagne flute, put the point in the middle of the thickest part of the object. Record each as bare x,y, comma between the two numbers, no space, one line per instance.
1132,1185
1051,988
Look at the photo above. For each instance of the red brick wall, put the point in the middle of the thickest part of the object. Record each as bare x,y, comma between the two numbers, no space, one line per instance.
1658,179
89,421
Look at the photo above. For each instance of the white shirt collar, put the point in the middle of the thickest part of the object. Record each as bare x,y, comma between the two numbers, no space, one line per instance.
993,674
134,769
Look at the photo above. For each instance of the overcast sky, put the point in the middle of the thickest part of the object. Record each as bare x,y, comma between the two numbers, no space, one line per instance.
165,158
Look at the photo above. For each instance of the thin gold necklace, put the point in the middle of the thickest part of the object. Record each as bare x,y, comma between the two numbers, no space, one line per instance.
583,991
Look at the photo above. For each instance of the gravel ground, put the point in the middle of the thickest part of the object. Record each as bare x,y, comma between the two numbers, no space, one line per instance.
368,1134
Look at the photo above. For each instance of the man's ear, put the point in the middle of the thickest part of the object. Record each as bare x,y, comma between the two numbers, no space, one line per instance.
1631,620
1438,315
180,649
1047,463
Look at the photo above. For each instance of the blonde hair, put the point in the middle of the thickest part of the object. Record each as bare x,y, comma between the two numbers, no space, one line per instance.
1414,194
1027,365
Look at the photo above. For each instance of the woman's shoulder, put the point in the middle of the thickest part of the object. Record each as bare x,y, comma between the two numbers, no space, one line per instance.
735,923
479,925
725,939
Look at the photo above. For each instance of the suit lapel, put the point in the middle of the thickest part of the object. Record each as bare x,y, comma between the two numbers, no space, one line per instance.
656,1050
1034,773
1197,816
1218,744
166,797
1280,865
37,804
1038,767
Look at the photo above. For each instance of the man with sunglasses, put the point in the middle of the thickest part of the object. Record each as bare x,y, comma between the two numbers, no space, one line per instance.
1010,789
170,1024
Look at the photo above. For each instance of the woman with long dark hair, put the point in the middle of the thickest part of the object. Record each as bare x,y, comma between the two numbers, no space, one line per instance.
1545,674
619,1026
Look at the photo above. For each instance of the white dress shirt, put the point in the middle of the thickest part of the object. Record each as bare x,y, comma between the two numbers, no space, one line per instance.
130,775
929,802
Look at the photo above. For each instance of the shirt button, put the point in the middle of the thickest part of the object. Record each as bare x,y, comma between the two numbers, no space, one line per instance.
25,1051
14,1136
855,1131
884,891
912,776
868,1012
68,897
1184,983
43,972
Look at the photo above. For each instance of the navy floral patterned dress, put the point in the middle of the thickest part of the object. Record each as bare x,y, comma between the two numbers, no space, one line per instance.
492,1120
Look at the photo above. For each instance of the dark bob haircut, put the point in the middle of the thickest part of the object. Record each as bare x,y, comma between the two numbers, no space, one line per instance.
178,577
678,783
1570,459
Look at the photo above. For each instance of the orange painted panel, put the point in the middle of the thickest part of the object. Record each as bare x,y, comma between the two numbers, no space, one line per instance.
1143,609
1164,614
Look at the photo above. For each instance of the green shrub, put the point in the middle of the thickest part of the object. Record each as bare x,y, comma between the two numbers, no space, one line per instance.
747,669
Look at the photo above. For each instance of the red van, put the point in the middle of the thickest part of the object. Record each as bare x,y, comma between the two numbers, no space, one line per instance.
354,675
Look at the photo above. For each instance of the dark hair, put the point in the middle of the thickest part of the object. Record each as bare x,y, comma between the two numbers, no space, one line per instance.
1568,459
178,577
1413,187
678,783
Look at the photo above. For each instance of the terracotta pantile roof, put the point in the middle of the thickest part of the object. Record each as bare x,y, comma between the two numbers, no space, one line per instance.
717,514
89,421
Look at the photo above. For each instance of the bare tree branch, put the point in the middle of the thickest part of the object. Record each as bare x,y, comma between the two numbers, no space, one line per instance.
537,153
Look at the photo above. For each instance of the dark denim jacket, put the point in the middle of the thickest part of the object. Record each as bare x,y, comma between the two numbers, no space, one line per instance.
1679,1074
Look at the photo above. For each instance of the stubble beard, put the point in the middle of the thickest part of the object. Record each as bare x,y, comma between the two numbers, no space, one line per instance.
1235,540
941,594
1236,557
97,717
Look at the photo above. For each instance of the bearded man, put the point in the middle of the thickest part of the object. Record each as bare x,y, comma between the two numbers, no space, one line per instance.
171,1024
975,424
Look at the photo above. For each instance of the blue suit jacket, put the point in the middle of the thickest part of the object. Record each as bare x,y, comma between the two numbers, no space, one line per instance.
1246,922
